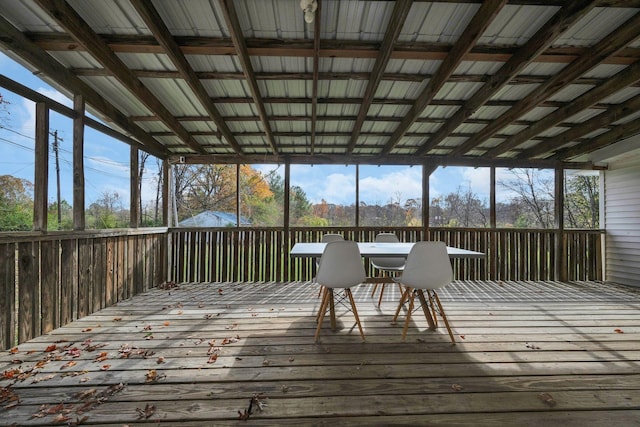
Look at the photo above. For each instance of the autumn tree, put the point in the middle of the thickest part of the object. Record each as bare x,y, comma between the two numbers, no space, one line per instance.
16,204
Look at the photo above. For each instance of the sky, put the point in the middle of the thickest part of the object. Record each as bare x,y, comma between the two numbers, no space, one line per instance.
107,160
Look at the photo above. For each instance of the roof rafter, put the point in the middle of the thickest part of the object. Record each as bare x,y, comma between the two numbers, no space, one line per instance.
15,41
479,23
68,18
233,26
154,22
560,22
620,37
316,74
606,118
616,134
396,22
620,81
330,48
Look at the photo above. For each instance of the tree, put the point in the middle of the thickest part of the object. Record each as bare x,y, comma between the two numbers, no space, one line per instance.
582,201
533,190
107,212
16,204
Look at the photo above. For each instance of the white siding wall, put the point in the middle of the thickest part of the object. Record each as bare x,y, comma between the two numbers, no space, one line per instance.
622,222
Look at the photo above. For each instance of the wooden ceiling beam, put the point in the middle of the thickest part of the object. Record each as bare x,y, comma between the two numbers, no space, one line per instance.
330,48
396,77
154,22
393,159
604,119
15,41
538,43
69,19
619,82
396,22
233,26
608,46
316,74
479,23
618,133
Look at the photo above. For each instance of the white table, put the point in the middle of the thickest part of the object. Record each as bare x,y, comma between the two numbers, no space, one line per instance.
375,249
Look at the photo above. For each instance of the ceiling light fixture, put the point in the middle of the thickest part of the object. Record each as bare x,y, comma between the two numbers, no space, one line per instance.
309,8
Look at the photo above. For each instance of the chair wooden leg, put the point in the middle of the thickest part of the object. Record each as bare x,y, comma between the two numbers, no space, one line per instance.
403,298
433,310
373,291
425,309
381,294
332,310
406,322
322,303
321,313
444,316
355,312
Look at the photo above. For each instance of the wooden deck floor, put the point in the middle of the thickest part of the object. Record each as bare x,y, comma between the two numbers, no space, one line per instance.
538,354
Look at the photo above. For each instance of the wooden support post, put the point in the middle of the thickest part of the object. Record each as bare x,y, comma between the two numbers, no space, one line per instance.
41,175
78,164
493,243
165,192
427,170
134,201
287,217
560,244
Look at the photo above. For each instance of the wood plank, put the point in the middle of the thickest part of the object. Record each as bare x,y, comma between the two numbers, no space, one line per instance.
28,291
50,286
7,294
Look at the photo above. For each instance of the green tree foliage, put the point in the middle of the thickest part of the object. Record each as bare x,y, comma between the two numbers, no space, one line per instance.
16,204
107,212
582,202
66,216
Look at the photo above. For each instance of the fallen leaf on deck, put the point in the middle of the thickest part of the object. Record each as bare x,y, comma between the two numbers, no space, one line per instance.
101,357
51,348
456,387
547,398
105,367
147,412
147,328
160,360
462,336
14,350
153,376
291,359
618,331
213,358
61,418
69,364
219,291
166,323
117,319
45,378
87,330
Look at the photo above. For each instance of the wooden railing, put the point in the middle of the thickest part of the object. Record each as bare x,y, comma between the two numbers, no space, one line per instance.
49,280
248,254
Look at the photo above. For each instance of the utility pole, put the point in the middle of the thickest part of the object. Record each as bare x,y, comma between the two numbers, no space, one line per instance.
56,148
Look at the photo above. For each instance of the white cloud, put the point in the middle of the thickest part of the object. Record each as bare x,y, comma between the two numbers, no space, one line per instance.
404,184
28,126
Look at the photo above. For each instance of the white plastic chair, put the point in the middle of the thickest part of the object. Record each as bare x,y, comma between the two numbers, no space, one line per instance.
341,267
326,238
427,268
386,265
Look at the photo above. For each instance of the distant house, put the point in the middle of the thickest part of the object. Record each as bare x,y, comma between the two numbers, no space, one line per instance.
213,219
